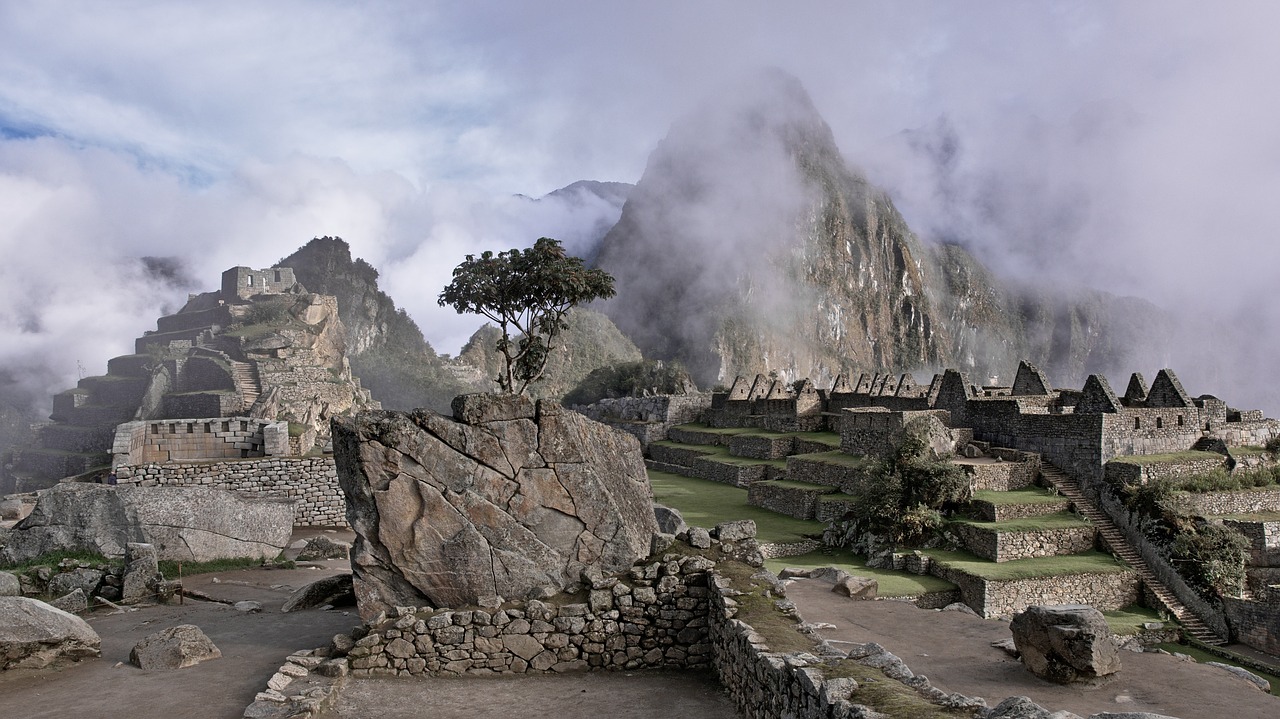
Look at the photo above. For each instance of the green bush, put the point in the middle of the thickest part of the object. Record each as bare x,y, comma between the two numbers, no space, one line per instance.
1212,558
274,311
1273,444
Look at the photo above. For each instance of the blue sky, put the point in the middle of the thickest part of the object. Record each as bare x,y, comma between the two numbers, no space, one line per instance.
229,133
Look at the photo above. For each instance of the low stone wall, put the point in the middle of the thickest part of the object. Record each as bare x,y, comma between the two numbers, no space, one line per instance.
1132,473
697,436
739,475
998,546
1255,623
1003,598
774,550
845,477
999,476
1261,535
666,454
1245,501
656,618
648,419
311,481
992,512
800,502
758,446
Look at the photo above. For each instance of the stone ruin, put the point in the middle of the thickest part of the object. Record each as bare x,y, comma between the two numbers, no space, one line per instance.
507,499
262,350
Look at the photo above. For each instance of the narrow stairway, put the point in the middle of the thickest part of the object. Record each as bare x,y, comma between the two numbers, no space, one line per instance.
1116,542
245,375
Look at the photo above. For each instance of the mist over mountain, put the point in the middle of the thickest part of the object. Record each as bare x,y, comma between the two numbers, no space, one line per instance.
750,244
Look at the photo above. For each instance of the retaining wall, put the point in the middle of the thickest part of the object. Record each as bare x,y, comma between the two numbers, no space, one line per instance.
1003,598
1244,501
311,481
989,543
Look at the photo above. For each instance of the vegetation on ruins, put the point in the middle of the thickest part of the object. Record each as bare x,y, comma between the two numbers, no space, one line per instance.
1211,557
906,507
629,379
527,294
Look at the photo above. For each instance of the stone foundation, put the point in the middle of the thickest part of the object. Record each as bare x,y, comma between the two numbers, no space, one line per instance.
1003,598
1211,504
1003,546
311,481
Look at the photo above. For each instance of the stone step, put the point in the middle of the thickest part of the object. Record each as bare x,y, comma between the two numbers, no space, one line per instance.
1116,541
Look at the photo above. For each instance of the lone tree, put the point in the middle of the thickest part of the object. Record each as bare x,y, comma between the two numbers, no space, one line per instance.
527,293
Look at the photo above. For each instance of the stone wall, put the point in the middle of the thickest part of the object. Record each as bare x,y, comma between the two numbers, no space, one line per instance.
648,419
1118,471
999,476
1262,535
175,440
1003,598
845,476
786,498
1244,501
758,446
998,546
654,617
1254,622
992,512
311,481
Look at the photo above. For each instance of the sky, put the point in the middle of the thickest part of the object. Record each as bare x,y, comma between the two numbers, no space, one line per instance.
1128,146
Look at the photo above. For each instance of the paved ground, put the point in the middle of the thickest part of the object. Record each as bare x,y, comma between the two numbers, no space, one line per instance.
953,650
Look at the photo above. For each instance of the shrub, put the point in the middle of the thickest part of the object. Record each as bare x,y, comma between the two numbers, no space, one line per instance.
273,311
1212,558
1273,444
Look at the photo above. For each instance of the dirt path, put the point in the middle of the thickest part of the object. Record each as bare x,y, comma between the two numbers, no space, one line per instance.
616,695
252,645
953,650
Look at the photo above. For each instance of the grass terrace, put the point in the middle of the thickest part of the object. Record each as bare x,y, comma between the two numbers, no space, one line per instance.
836,457
1059,520
1171,458
1129,620
706,504
1092,562
892,583
1026,495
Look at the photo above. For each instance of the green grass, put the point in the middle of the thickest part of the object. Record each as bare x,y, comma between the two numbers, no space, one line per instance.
706,504
53,558
1084,563
170,570
1059,520
1202,656
713,430
836,457
1254,517
1130,619
1026,495
806,486
892,583
1247,450
1171,458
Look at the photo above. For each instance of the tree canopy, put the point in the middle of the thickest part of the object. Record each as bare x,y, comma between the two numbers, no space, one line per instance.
526,293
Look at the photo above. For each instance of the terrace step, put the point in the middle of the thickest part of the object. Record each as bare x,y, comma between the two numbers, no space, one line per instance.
247,381
1115,541
794,499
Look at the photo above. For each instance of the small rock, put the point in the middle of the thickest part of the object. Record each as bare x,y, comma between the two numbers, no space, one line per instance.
699,538
736,531
1007,646
248,607
174,648
1244,674
279,681
323,548
490,601
795,573
960,607
857,587
74,602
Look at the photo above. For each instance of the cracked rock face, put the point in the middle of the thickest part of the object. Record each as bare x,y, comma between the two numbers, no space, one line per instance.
507,499
184,523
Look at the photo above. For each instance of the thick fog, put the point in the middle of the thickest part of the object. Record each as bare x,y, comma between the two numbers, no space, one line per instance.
1130,147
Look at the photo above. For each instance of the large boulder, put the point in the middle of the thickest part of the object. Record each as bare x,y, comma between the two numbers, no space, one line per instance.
174,648
184,523
507,499
34,635
1065,643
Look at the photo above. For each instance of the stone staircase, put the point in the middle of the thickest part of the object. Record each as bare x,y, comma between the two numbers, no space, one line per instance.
245,375
1116,542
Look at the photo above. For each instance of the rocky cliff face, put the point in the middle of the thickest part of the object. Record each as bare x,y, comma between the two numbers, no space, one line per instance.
750,245
507,499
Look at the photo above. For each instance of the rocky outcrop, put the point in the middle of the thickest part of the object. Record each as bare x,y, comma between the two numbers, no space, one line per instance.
1065,643
329,590
183,523
174,648
750,245
507,498
34,635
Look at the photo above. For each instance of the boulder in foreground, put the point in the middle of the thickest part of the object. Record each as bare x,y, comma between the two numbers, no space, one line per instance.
1065,643
174,648
507,499
34,635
